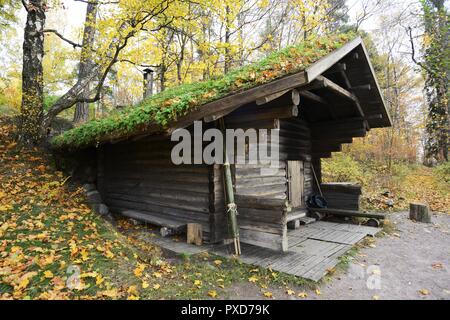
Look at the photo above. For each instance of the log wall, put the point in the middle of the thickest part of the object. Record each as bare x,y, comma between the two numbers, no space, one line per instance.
345,196
140,176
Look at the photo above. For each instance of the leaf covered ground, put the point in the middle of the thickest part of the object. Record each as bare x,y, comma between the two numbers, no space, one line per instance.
52,246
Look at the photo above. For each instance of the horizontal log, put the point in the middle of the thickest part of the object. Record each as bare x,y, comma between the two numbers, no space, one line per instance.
260,203
349,213
264,239
183,215
291,97
190,206
158,221
341,188
314,97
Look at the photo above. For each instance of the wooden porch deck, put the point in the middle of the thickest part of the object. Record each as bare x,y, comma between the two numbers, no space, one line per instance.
313,249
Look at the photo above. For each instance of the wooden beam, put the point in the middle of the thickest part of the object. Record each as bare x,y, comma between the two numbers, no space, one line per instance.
337,88
260,124
364,87
349,213
217,116
332,123
290,97
313,97
325,155
325,149
337,68
343,93
231,102
318,99
321,66
269,114
270,97
355,133
332,141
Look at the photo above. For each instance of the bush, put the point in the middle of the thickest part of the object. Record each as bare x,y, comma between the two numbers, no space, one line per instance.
442,172
343,168
49,101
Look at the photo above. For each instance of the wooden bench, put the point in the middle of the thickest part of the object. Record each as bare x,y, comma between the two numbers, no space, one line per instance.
170,223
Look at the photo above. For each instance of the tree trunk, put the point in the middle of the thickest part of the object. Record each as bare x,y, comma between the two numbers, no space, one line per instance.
32,106
81,114
419,212
70,97
227,58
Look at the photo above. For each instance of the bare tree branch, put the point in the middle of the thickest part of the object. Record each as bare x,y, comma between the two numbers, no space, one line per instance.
25,5
413,51
59,35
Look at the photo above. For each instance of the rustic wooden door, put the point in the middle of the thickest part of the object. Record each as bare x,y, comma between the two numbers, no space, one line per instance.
295,183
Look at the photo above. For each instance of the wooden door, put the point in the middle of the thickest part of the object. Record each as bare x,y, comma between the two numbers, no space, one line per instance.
295,183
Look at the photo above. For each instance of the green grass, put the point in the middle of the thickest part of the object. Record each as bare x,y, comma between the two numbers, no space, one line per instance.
168,106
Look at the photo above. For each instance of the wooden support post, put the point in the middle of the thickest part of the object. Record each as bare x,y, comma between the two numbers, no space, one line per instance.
419,212
229,194
194,234
293,225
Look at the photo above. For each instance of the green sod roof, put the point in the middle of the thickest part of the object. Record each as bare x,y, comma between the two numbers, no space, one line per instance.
166,107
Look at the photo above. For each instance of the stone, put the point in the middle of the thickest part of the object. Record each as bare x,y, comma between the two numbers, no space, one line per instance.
94,197
88,187
103,209
390,203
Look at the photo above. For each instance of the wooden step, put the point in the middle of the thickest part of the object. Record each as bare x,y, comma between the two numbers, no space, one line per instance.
307,220
296,215
157,221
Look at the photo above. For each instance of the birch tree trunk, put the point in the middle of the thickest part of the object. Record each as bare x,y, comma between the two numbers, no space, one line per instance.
32,107
81,114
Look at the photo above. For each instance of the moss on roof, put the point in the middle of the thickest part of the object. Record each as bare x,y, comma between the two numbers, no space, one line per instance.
173,103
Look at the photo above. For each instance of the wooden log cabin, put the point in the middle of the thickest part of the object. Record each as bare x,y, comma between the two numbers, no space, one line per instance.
316,110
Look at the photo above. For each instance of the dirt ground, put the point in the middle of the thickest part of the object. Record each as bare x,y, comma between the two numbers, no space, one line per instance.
411,263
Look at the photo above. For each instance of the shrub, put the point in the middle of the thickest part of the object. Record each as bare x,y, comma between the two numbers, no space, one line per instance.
442,172
343,168
49,100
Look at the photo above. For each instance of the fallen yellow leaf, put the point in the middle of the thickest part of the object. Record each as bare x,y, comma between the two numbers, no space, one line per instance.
212,293
156,286
48,274
302,295
268,294
145,285
139,270
253,279
133,290
217,262
112,293
318,292
424,292
109,254
197,282
290,292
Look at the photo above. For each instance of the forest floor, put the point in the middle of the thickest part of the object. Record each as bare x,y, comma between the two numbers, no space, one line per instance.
52,246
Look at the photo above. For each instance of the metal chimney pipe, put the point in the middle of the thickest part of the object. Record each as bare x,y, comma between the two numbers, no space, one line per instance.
148,82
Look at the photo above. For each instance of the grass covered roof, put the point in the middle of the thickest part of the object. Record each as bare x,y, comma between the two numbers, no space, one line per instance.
166,107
